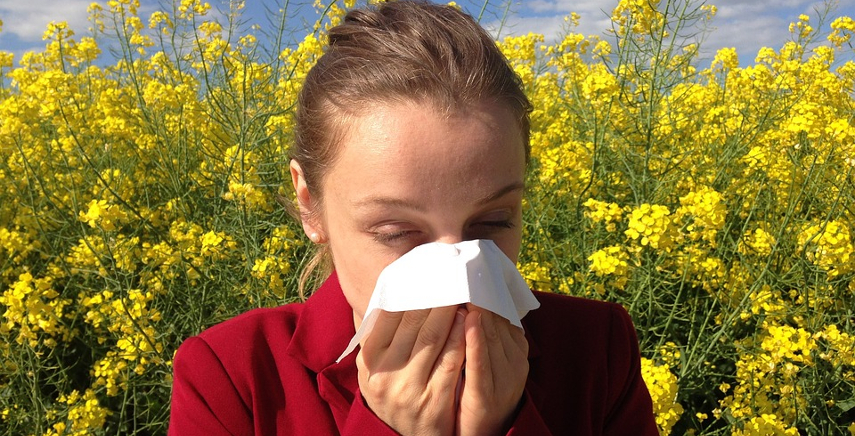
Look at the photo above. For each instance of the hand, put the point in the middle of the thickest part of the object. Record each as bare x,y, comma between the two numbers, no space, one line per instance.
409,367
496,370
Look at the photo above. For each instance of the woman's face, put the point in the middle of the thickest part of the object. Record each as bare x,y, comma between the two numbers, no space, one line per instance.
406,175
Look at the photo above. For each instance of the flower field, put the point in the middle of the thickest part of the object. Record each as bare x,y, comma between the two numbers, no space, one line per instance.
145,196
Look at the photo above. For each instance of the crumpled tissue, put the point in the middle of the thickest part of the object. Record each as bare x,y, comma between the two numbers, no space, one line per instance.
439,274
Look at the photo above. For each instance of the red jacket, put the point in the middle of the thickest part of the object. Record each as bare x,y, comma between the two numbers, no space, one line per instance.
273,372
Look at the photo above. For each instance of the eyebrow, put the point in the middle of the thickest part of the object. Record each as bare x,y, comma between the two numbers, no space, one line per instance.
516,186
405,204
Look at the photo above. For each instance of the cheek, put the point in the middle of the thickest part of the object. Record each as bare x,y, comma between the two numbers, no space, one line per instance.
356,281
356,275
511,241
355,264
510,244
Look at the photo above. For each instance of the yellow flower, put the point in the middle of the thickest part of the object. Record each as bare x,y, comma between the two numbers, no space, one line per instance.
829,246
537,275
842,30
758,242
651,225
766,425
662,385
611,261
599,211
705,212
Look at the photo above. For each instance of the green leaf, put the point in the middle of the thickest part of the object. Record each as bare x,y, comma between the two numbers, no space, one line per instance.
846,405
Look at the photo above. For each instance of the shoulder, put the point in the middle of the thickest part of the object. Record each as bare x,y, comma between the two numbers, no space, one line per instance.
574,312
264,323
235,345
594,337
588,348
218,374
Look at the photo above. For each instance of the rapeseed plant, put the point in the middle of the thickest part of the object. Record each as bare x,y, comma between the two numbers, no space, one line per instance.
139,206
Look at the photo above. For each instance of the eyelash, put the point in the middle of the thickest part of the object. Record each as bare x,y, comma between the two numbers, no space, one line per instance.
507,224
392,237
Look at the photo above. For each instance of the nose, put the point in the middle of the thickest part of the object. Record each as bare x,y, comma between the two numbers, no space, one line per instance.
452,237
449,240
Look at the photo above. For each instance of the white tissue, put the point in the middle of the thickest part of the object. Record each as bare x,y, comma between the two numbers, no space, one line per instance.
438,274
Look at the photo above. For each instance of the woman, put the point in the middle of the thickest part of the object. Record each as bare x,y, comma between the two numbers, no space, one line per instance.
411,129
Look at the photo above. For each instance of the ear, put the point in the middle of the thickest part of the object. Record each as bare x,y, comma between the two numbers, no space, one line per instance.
306,203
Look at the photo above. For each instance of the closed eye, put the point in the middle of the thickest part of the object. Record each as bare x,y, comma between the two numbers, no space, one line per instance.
507,224
489,229
393,235
386,238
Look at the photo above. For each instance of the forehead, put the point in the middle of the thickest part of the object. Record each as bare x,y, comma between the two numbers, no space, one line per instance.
417,150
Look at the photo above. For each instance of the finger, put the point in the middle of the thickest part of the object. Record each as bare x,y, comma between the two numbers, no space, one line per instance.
515,359
407,333
450,362
514,343
478,365
506,349
383,331
521,341
433,335
493,333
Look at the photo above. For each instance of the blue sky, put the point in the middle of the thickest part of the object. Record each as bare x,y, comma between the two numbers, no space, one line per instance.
746,25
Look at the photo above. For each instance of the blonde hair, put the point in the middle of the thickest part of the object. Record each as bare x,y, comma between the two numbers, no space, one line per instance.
399,51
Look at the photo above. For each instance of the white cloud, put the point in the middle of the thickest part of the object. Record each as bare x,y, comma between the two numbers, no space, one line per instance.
787,10
541,6
565,7
28,19
546,17
748,34
749,25
550,27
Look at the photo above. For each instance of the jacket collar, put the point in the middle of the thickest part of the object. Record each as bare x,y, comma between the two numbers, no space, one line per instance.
324,328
